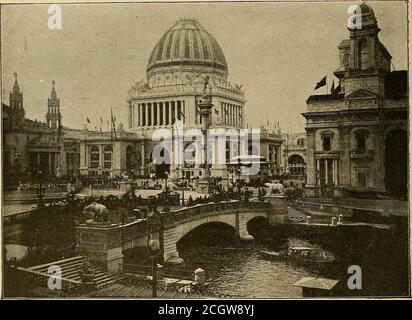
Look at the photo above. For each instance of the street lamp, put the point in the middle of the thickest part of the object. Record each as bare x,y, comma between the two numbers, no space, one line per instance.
155,224
132,184
40,190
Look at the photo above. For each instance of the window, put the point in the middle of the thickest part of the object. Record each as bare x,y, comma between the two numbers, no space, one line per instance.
363,54
360,142
94,157
361,136
326,142
108,150
301,142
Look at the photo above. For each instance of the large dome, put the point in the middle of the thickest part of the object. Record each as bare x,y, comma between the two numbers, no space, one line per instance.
187,43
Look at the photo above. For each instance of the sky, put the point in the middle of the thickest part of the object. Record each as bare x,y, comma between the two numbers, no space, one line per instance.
278,51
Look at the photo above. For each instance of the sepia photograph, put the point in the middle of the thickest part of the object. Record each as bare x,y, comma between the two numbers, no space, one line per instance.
205,150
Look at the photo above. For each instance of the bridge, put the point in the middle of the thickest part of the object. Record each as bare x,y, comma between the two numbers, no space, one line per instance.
104,243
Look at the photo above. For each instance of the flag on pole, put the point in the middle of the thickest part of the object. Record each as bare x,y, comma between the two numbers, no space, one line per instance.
101,119
113,123
337,89
88,120
321,83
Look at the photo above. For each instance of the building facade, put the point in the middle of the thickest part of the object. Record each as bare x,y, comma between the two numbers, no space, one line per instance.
357,135
31,146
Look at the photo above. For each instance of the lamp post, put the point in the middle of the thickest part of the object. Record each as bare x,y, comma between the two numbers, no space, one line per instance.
132,184
155,224
40,189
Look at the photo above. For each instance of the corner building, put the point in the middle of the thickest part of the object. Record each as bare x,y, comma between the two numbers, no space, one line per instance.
357,135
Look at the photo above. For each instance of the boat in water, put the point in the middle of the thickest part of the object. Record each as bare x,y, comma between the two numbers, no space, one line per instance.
301,255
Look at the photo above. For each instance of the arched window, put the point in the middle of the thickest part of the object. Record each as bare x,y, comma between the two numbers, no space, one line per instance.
189,155
108,155
94,157
296,165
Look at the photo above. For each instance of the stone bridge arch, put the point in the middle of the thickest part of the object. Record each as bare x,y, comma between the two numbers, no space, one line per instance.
237,220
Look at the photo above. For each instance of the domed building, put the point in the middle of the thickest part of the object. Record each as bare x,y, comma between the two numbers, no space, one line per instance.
185,64
185,60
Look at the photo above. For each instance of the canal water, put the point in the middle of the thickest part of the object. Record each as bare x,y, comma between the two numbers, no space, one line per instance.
242,272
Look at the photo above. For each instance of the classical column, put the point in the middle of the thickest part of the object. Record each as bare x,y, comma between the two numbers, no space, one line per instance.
158,113
311,166
138,114
344,166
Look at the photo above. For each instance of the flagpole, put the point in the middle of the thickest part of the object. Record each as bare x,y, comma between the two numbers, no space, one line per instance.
327,87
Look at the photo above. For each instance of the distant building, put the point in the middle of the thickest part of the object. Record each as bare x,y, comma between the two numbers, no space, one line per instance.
31,146
357,135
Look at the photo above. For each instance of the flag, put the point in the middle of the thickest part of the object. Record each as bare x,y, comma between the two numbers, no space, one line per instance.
101,119
113,123
332,88
337,89
88,120
321,83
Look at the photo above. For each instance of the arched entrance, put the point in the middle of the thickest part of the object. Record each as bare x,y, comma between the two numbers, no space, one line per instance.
161,165
396,162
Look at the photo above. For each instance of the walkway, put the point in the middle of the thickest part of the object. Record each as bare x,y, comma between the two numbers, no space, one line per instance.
142,291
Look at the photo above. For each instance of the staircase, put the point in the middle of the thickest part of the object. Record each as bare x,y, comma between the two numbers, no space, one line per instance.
72,268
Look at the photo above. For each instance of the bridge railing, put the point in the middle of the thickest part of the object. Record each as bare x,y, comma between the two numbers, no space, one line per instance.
213,207
16,217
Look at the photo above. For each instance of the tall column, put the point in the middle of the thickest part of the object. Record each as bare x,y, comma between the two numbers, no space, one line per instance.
344,168
311,174
138,114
